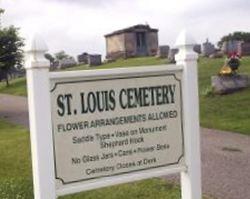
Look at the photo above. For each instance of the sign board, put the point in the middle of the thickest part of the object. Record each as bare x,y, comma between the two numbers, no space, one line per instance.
106,126
96,128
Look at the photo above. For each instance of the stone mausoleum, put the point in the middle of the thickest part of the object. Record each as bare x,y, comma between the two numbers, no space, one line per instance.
135,41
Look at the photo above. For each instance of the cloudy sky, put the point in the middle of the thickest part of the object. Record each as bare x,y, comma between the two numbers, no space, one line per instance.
77,26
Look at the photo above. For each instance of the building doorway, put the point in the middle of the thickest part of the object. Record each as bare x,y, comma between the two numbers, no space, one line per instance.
141,43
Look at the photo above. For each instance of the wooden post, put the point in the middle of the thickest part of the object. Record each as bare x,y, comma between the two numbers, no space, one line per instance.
191,179
37,71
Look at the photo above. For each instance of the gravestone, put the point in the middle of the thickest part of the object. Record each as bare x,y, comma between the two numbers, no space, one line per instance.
171,54
83,58
66,63
232,46
94,60
245,48
230,83
207,48
217,54
163,51
197,48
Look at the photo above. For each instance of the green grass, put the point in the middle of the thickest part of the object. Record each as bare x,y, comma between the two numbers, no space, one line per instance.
14,138
16,177
226,112
141,61
16,87
15,163
146,189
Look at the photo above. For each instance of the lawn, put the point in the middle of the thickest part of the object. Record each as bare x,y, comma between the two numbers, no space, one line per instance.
15,169
227,112
16,87
141,61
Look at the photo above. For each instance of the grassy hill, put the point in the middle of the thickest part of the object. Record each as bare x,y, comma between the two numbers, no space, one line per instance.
226,112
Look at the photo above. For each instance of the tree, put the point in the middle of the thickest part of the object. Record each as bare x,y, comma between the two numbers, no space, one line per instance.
50,58
61,55
238,36
11,53
1,12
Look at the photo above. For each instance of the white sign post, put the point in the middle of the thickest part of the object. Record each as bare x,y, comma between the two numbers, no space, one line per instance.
37,72
91,129
190,179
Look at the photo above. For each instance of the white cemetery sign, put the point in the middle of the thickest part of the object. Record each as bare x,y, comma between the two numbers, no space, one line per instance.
91,129
117,123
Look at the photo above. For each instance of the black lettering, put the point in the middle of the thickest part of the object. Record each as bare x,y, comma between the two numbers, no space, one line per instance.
152,96
138,96
84,110
68,98
105,97
60,105
91,98
145,97
122,104
165,94
158,96
172,92
112,100
100,101
130,96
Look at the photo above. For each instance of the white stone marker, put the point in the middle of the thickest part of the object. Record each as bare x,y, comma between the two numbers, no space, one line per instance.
43,143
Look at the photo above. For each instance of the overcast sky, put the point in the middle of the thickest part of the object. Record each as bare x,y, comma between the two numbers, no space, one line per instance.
77,26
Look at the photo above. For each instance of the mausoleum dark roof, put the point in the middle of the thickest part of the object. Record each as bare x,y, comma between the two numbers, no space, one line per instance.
139,27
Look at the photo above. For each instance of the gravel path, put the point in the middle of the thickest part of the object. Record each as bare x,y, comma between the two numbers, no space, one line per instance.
225,156
14,109
225,164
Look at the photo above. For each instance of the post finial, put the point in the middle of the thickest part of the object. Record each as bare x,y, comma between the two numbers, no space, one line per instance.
35,50
184,39
185,43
